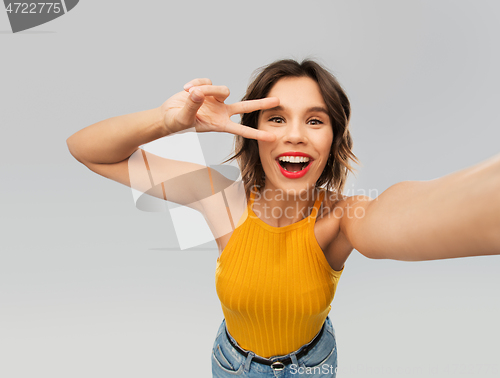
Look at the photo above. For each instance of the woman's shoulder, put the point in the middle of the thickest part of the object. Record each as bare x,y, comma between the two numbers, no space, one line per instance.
328,232
340,212
332,200
328,219
337,207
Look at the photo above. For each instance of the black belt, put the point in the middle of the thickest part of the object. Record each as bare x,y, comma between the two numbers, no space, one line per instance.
278,364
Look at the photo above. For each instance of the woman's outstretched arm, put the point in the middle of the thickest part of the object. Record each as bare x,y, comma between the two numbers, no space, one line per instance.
456,215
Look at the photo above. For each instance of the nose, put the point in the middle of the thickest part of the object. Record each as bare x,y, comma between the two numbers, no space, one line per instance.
295,133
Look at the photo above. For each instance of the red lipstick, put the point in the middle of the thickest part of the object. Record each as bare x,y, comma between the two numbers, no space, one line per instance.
298,174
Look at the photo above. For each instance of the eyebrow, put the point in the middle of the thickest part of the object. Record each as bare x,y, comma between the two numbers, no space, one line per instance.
312,109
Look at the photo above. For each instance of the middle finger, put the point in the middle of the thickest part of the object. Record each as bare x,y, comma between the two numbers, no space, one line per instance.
250,106
220,92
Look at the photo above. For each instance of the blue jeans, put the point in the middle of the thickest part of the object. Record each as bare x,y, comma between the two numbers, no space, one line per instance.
320,361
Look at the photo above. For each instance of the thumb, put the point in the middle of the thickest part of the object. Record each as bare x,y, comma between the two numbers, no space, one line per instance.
187,114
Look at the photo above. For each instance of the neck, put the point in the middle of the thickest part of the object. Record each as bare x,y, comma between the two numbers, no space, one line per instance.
280,208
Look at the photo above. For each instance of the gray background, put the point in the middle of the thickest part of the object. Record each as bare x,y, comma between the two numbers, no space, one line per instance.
91,286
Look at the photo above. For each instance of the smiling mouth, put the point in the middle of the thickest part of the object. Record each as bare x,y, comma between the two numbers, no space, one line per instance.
293,167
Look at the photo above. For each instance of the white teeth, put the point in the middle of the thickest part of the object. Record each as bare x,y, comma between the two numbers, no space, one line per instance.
294,159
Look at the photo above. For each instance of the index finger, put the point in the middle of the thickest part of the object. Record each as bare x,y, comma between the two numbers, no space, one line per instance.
249,132
250,106
196,82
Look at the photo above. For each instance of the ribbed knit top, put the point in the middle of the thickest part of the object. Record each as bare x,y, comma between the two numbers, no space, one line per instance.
275,284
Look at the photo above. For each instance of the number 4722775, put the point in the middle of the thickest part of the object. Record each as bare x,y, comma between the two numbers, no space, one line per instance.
33,7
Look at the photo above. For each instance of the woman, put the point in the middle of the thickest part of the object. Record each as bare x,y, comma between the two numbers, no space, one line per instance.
290,228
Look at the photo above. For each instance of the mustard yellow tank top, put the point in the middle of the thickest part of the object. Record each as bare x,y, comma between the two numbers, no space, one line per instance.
275,284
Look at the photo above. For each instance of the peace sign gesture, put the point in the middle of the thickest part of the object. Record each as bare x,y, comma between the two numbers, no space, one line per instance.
201,105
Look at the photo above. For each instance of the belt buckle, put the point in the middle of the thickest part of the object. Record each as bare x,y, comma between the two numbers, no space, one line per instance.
277,365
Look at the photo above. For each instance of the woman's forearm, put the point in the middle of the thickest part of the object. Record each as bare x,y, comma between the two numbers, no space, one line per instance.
115,139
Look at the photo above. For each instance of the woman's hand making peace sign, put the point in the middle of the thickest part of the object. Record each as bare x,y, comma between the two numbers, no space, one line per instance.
201,105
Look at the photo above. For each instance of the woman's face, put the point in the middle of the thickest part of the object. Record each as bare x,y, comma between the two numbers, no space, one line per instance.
304,135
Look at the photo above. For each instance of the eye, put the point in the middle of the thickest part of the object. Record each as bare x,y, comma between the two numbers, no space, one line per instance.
315,122
276,120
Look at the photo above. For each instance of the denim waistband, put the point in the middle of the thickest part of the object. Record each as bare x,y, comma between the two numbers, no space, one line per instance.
321,348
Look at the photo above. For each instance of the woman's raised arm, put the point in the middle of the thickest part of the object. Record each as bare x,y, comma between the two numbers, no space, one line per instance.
105,147
457,215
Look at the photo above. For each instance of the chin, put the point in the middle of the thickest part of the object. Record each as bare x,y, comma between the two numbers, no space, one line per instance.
293,188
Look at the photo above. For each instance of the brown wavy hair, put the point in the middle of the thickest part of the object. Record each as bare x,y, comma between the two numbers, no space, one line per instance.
334,175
